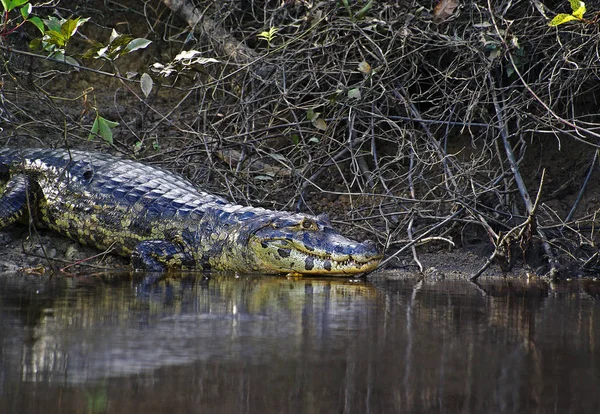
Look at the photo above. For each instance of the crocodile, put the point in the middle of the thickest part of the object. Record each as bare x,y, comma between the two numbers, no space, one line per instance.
162,221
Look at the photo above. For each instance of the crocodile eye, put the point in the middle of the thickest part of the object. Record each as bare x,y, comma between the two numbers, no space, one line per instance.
308,224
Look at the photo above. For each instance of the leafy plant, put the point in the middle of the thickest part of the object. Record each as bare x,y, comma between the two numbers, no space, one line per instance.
56,34
579,10
118,45
103,127
268,36
25,9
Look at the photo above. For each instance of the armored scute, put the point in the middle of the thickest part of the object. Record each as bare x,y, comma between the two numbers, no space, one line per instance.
162,221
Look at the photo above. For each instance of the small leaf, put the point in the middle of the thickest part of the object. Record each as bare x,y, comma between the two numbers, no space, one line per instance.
146,84
26,10
71,61
37,22
54,37
263,178
113,35
444,10
35,44
320,124
311,115
94,129
576,4
561,18
364,67
578,8
139,43
53,23
354,93
104,129
11,4
314,140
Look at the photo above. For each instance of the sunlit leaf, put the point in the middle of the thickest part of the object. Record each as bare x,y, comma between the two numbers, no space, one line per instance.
320,124
364,67
11,4
354,93
70,26
94,129
37,22
444,10
561,18
104,129
578,8
26,10
139,43
146,84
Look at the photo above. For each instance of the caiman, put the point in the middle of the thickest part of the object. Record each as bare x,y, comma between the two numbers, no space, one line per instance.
161,221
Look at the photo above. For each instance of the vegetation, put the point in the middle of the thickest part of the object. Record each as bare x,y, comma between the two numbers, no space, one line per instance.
447,125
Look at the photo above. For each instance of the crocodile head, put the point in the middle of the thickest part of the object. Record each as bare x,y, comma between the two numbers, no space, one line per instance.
304,244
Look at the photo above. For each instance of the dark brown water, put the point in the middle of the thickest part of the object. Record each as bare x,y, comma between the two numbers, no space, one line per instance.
268,344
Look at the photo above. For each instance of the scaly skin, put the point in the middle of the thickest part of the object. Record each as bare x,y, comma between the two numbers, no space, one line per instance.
161,221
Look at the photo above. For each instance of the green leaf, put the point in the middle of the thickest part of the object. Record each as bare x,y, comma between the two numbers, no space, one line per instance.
561,18
576,4
11,4
104,129
37,22
70,26
94,129
354,93
53,23
311,115
579,11
25,11
54,37
139,43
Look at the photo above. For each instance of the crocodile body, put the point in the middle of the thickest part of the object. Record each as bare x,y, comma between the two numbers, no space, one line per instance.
162,221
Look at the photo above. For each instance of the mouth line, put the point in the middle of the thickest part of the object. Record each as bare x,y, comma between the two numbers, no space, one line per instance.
348,261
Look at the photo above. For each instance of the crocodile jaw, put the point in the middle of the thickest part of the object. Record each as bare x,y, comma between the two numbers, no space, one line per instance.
279,255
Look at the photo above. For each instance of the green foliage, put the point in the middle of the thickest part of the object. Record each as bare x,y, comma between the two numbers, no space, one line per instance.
10,24
579,10
118,45
268,36
56,34
103,127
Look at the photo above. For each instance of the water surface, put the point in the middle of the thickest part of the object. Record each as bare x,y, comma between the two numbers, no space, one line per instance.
228,344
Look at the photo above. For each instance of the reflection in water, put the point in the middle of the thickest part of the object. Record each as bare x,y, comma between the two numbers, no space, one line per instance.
233,344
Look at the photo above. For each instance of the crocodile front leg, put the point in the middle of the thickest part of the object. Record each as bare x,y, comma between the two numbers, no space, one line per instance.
19,195
159,255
